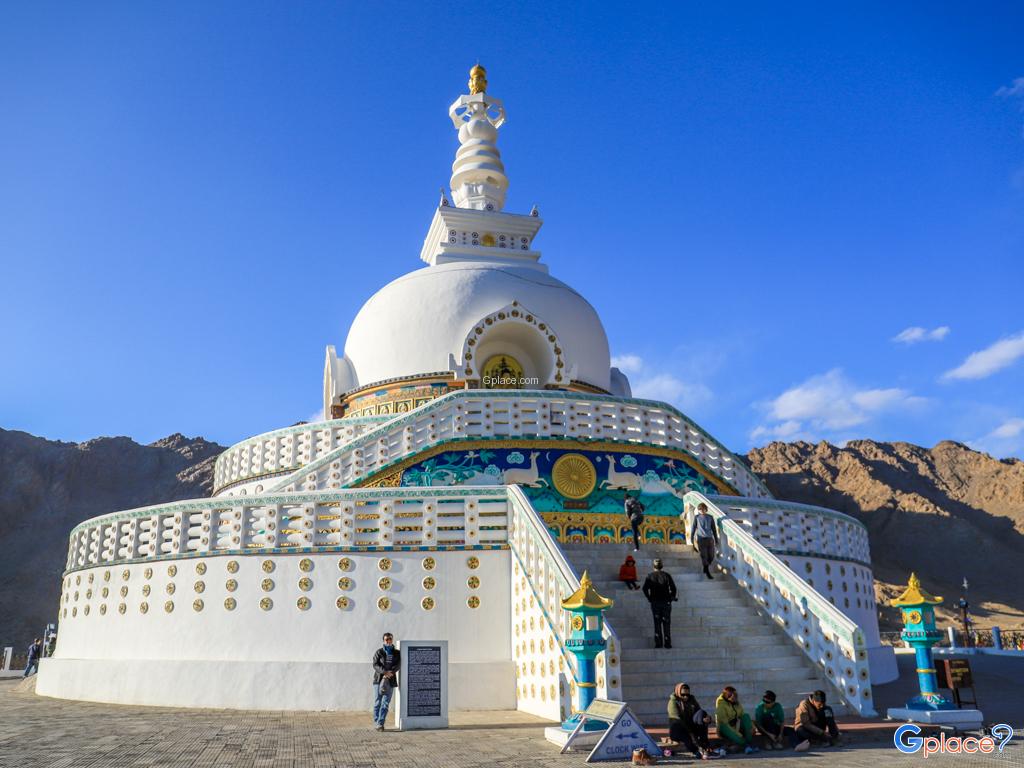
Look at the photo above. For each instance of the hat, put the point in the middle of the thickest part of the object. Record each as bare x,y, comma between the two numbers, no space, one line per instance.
680,688
657,563
770,695
818,696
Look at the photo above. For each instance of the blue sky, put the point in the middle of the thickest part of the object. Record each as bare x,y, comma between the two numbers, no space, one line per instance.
763,204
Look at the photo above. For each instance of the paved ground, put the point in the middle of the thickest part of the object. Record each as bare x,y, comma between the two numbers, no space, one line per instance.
37,732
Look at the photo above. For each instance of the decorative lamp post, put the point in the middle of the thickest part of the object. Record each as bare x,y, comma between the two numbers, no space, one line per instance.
920,633
585,641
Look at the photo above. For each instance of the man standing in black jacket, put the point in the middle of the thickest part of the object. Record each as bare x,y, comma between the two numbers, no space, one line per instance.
386,662
660,591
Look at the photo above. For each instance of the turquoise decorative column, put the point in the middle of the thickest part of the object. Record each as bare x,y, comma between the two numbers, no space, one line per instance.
585,641
920,633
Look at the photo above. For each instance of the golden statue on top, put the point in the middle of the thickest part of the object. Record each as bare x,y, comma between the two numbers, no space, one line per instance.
477,79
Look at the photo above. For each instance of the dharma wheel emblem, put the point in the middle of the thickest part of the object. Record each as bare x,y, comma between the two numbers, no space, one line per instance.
574,476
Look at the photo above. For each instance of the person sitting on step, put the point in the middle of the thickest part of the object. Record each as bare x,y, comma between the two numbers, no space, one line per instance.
688,723
815,722
770,721
733,723
627,573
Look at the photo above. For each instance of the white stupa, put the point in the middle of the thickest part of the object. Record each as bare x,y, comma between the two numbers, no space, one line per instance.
472,460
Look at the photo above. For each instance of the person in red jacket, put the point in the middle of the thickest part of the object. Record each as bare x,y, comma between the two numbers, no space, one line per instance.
627,573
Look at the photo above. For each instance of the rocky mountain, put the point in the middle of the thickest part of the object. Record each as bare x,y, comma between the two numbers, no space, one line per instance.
947,512
48,487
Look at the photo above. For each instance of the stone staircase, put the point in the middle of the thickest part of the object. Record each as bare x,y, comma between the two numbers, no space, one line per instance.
718,636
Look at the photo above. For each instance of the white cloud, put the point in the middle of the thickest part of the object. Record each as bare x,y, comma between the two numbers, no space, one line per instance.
985,362
1005,440
826,403
915,333
648,383
1014,90
628,363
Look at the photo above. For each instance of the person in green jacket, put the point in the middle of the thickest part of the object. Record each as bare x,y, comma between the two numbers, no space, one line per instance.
733,723
770,720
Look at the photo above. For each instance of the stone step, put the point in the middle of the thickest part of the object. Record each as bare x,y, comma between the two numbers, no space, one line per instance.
772,657
701,640
637,683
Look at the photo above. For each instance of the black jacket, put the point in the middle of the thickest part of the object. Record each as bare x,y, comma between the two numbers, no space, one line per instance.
684,710
659,587
381,664
634,509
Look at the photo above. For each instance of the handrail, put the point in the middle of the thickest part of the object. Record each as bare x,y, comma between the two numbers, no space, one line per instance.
826,635
523,514
396,439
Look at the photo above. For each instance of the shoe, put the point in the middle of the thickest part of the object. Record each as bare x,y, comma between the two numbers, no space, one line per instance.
708,575
668,645
657,645
749,750
380,727
803,746
720,752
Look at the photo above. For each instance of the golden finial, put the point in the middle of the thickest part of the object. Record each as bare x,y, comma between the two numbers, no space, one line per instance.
914,595
586,596
477,79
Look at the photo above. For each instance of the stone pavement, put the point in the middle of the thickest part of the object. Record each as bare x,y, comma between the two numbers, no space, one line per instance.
37,732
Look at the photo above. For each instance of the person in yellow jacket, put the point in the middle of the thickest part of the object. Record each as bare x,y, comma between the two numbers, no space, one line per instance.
733,723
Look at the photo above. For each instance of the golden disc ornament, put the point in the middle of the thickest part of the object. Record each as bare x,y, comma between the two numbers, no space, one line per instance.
574,476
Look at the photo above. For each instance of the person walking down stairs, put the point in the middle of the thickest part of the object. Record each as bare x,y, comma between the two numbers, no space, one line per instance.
660,591
733,723
635,512
627,573
704,533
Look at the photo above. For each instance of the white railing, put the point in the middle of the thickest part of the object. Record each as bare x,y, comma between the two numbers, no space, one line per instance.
802,530
505,414
549,578
376,517
286,450
826,635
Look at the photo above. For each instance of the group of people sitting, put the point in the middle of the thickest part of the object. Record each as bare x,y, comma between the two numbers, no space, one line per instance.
689,724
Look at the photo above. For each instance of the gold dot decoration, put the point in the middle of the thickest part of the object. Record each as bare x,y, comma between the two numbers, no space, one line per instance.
429,583
197,605
384,583
577,623
427,603
106,575
78,579
144,608
473,582
148,573
305,584
266,603
103,609
121,608
74,612
172,571
86,610
124,591
125,574
344,583
473,563
473,601
344,564
342,603
384,564
429,564
230,585
170,588
574,476
145,590
169,606
305,565
229,603
199,586
303,603
88,594
268,566
201,568
384,603
232,566
267,584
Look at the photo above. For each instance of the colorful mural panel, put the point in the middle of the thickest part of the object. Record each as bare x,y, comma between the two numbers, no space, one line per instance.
558,480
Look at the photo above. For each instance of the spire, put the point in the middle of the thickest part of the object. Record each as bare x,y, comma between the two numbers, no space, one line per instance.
914,595
478,175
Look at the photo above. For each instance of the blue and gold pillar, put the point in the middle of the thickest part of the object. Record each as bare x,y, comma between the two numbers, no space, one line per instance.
919,632
585,641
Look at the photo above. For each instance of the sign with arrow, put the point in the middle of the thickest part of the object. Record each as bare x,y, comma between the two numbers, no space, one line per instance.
624,735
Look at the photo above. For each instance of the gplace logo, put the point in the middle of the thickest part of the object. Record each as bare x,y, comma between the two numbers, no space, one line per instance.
908,740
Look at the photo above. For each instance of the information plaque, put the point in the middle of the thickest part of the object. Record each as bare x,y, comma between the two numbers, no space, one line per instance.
423,692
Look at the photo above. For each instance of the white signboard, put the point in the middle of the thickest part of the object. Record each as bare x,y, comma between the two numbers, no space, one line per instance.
423,685
623,736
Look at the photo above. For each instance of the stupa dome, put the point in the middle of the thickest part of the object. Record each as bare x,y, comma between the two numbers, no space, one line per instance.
422,322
